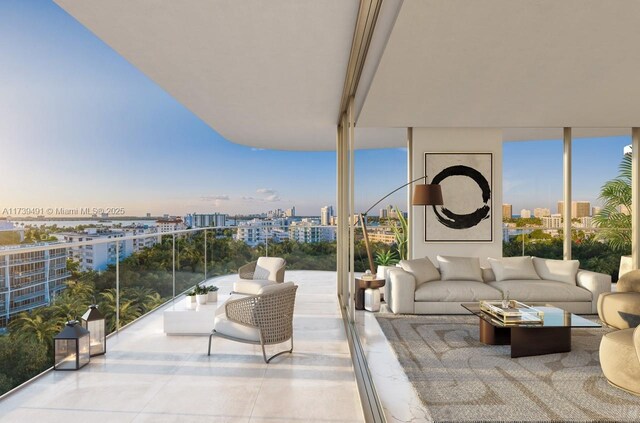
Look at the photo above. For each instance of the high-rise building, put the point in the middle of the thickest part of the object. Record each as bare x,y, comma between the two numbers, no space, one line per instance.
384,213
507,211
525,213
326,213
196,220
290,212
541,212
30,280
578,209
552,222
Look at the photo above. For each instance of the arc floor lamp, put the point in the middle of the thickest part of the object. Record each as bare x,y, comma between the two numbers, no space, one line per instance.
423,195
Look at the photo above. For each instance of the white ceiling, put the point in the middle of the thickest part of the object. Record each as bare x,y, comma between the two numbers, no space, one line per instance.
270,74
261,73
509,63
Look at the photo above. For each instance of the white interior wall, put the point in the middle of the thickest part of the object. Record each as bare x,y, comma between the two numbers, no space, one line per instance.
451,140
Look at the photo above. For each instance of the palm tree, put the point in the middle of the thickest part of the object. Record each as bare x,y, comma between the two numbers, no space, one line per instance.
128,309
614,220
36,327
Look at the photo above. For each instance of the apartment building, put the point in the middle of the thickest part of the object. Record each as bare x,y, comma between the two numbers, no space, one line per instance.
540,212
257,231
30,280
507,211
383,235
170,224
578,209
307,231
198,220
326,213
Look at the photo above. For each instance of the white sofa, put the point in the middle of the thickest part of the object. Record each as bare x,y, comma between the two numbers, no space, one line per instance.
418,287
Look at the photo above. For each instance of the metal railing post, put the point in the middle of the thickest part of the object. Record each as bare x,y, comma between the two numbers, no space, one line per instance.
117,286
205,254
173,251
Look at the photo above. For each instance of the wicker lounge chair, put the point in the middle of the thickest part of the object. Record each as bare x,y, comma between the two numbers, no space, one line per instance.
263,319
260,273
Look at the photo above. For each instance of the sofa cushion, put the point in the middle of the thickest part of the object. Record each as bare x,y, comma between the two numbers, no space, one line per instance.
488,275
460,290
541,290
421,269
509,268
460,268
557,270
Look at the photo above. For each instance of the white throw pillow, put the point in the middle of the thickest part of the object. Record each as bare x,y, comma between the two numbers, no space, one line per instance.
421,269
460,268
510,268
557,270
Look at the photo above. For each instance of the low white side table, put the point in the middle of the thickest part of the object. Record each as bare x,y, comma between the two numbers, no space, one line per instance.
372,299
179,320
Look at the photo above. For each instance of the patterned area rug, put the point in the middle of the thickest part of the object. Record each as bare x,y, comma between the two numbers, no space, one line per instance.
460,379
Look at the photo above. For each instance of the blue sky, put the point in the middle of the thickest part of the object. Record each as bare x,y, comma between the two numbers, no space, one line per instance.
81,127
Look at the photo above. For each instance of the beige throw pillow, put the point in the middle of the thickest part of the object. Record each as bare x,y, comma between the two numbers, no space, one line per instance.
510,268
557,270
460,268
421,269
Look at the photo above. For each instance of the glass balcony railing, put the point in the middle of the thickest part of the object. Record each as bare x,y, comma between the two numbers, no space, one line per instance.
152,269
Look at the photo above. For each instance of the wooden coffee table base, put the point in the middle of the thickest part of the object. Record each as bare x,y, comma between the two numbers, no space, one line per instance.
526,342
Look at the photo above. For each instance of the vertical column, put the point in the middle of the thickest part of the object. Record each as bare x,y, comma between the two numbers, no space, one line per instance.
635,198
342,151
410,177
566,197
339,211
117,286
352,220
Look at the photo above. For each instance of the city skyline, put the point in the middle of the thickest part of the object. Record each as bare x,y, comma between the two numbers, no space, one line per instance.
102,135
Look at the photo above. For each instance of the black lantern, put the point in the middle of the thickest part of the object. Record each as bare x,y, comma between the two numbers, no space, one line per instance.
94,322
71,347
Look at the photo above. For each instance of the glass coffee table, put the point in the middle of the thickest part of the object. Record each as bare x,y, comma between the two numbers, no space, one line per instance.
552,335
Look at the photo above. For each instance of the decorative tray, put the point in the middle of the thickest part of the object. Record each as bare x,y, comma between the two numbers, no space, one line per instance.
515,313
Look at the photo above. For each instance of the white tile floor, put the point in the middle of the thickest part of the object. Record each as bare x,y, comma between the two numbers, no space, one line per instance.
148,376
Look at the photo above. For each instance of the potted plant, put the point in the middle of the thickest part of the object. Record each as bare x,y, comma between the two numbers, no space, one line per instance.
201,294
212,294
385,259
190,299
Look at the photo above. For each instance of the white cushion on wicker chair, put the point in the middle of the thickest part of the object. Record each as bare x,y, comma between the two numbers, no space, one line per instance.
226,327
267,268
275,287
251,286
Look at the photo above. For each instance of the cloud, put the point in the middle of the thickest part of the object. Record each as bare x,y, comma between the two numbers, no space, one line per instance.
257,149
266,191
215,198
271,198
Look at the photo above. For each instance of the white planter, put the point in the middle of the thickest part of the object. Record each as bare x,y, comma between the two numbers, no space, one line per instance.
201,298
212,296
190,301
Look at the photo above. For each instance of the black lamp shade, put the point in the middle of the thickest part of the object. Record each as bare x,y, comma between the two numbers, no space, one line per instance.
71,347
95,323
427,195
